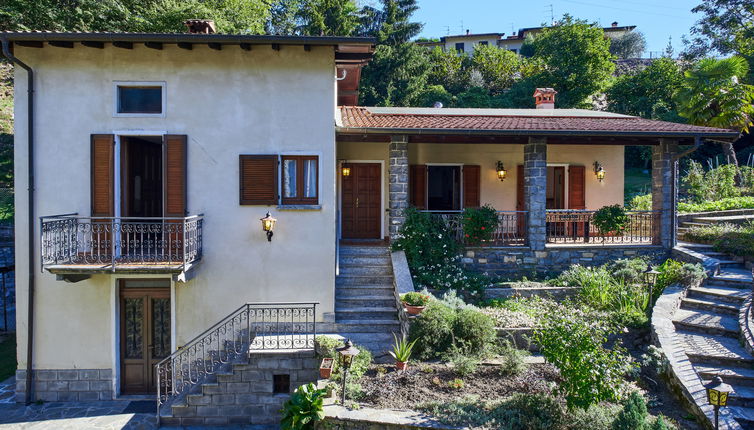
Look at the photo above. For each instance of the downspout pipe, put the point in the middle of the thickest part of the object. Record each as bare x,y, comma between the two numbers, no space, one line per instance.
30,168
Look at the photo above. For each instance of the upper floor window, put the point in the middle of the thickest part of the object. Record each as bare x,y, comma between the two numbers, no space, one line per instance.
460,47
484,43
139,98
300,179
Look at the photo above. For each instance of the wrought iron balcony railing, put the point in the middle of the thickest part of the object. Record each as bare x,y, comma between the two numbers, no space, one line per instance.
577,227
510,230
72,242
254,327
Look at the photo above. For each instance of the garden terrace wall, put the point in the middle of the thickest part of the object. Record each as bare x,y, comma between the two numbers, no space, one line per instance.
509,261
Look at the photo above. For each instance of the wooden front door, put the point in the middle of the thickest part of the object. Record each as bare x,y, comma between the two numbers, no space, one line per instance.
362,194
145,333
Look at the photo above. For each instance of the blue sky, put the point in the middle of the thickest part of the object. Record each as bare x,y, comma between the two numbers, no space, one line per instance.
657,19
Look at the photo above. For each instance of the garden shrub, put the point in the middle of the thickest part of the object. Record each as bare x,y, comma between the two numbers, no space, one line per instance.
641,202
628,270
474,332
610,219
462,363
433,330
743,202
722,182
511,359
479,224
672,272
591,373
729,238
693,182
304,409
634,414
595,417
659,424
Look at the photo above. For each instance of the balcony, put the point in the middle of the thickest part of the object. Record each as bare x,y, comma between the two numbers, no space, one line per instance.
75,247
510,230
576,227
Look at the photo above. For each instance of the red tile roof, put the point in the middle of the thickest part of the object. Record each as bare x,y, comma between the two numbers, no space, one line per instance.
514,121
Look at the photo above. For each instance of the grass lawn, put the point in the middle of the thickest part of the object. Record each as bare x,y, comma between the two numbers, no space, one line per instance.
7,356
637,182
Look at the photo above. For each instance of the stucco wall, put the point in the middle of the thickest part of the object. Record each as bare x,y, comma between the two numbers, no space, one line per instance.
503,195
229,102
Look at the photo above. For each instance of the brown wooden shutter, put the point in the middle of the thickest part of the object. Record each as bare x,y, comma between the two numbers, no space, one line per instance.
103,175
472,194
175,158
417,185
259,179
576,187
520,200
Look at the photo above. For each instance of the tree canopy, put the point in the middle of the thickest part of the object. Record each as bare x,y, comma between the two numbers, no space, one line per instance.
648,93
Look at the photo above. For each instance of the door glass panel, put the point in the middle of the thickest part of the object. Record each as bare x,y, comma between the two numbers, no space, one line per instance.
289,178
310,178
134,326
160,328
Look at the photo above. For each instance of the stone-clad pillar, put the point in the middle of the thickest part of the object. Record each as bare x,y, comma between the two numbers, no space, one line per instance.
398,193
664,189
535,191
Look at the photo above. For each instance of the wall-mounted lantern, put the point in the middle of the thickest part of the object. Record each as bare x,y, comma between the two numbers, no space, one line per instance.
501,172
345,171
268,224
599,171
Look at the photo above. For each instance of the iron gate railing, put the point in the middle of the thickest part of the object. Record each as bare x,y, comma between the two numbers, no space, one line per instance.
577,226
510,229
71,239
252,327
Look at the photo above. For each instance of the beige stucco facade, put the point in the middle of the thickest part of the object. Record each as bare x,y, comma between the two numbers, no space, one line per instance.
502,195
228,103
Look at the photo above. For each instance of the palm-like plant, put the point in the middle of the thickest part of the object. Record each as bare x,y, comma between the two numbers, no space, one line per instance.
402,349
713,95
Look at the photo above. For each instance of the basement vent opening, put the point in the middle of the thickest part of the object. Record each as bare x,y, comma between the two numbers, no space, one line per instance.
281,384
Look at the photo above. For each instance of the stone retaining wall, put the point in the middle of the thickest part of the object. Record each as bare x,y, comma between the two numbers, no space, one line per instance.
67,385
338,417
508,261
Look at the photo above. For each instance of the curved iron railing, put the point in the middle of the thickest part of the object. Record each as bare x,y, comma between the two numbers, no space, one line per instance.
577,226
252,327
111,241
510,229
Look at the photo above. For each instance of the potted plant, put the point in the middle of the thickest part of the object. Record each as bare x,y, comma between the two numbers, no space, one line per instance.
325,369
611,220
414,302
402,352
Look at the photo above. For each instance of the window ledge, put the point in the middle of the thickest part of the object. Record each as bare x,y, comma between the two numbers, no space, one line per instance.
300,207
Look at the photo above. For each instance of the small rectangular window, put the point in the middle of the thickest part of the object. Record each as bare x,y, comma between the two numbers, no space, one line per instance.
139,98
484,43
281,384
300,179
460,47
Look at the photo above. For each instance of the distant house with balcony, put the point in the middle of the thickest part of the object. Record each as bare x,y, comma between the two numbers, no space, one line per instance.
143,267
466,43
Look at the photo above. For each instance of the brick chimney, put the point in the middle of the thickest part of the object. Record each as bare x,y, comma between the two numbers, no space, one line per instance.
545,98
200,26
615,23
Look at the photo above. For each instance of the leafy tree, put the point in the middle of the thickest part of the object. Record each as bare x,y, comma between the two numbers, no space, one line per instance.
433,94
628,45
474,97
726,26
329,17
391,24
449,69
500,68
284,17
713,95
576,62
648,93
634,414
396,76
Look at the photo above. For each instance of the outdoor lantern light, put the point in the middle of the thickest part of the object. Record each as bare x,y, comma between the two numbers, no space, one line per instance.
599,171
268,224
345,171
717,395
501,172
347,353
650,279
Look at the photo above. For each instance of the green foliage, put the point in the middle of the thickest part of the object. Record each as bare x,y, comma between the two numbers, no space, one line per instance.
433,330
610,219
304,409
463,364
642,202
512,359
591,373
722,182
479,224
744,202
414,298
328,17
648,93
498,67
672,272
595,417
693,182
729,238
628,270
326,348
474,332
396,76
402,349
392,23
634,414
659,424
628,45
724,27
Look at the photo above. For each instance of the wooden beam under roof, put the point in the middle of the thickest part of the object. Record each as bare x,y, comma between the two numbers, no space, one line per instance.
276,46
30,44
92,44
154,45
124,45
185,45
245,46
215,46
61,44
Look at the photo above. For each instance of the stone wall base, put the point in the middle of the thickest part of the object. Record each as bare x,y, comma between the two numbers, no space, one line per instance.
509,261
67,385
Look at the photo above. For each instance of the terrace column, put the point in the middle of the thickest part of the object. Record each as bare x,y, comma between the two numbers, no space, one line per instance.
535,191
664,191
398,193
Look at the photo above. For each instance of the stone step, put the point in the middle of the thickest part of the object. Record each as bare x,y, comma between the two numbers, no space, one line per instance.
713,349
369,280
741,396
351,250
696,246
738,375
731,295
360,326
710,304
378,312
694,224
358,291
366,271
364,301
729,263
744,416
734,274
365,260
377,343
714,254
706,322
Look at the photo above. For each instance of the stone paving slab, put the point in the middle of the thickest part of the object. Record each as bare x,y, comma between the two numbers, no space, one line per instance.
74,415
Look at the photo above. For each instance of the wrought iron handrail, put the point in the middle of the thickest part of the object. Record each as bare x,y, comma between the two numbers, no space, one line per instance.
510,229
70,239
575,226
251,327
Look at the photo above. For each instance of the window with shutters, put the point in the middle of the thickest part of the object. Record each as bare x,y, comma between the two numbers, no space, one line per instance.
258,179
300,179
139,99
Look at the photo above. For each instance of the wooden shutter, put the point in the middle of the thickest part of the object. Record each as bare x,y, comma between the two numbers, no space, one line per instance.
259,179
520,200
417,186
175,157
472,186
576,187
103,175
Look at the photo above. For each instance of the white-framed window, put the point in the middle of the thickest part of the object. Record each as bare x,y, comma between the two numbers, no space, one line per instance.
139,99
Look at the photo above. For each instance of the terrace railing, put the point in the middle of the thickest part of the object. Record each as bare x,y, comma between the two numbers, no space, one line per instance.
577,227
510,230
254,327
115,242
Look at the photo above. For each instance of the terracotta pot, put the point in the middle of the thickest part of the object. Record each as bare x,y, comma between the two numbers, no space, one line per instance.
401,365
413,310
325,369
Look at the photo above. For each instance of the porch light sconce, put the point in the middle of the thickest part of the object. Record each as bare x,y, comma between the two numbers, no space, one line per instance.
347,352
501,172
268,224
599,171
345,171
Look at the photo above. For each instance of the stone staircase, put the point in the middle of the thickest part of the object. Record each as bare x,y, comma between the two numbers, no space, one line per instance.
365,303
708,330
704,219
